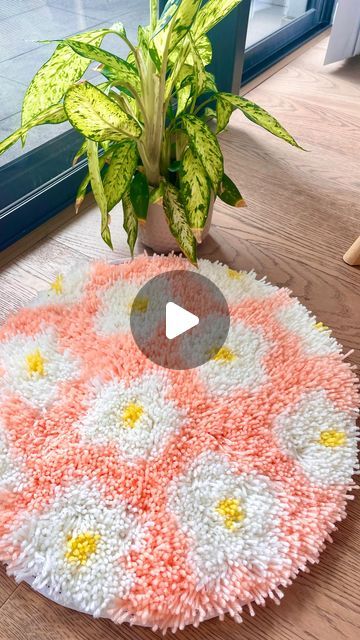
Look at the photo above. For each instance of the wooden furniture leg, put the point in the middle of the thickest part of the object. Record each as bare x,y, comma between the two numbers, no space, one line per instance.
352,256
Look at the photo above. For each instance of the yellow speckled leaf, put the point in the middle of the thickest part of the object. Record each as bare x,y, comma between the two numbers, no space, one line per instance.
130,221
52,115
121,170
51,82
211,13
98,189
206,147
195,189
180,23
178,223
223,112
258,115
96,116
124,72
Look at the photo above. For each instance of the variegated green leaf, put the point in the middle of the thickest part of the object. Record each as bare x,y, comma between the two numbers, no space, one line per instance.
204,48
178,223
53,115
96,116
168,12
51,82
179,24
121,169
211,13
180,76
154,56
127,104
195,190
199,69
80,152
130,221
209,114
157,194
210,83
123,72
258,115
147,45
206,147
140,195
229,193
223,112
82,190
98,190
183,96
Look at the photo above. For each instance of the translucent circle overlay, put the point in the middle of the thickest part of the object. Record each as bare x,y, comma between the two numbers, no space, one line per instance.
196,294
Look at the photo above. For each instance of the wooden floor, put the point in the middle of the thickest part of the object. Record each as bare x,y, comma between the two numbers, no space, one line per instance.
303,212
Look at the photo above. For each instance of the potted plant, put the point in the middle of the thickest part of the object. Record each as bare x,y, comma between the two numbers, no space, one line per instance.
146,126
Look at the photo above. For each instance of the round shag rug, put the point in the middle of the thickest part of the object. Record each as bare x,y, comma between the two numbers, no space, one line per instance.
163,497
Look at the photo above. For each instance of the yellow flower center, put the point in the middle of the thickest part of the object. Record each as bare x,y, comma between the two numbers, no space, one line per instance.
332,438
235,275
231,512
222,355
81,547
58,285
140,305
320,326
35,364
131,414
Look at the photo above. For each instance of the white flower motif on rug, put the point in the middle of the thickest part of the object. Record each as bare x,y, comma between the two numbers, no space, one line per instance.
320,437
117,303
138,418
235,285
238,364
65,288
228,518
315,336
34,366
76,546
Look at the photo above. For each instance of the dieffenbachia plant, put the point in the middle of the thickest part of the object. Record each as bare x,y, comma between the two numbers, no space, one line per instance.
145,127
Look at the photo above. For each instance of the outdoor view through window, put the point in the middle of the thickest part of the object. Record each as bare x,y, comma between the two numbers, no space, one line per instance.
23,23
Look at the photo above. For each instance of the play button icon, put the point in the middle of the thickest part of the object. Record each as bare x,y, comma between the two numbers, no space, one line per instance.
179,319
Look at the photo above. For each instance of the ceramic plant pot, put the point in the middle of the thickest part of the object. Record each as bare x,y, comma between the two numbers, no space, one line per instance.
155,232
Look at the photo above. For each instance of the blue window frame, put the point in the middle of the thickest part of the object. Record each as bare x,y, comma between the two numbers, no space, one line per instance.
40,183
269,50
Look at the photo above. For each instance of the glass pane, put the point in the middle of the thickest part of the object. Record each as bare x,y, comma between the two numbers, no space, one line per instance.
23,23
267,16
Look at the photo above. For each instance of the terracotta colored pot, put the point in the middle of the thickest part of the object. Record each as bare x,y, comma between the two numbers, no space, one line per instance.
155,232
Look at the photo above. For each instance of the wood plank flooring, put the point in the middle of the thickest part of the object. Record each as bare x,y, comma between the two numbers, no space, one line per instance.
303,212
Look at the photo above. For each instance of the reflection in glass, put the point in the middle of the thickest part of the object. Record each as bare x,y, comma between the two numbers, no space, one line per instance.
23,23
267,16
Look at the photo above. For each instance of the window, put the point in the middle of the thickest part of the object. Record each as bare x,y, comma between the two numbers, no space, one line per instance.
39,183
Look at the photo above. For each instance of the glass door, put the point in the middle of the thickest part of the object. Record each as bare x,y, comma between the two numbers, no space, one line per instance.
267,16
275,27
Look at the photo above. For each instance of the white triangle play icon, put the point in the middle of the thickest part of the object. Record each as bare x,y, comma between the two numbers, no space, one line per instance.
178,320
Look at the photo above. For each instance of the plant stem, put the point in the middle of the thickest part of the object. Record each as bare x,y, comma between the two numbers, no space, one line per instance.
204,104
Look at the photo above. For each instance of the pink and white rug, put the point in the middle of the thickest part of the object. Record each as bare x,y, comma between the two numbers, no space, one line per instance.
163,497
